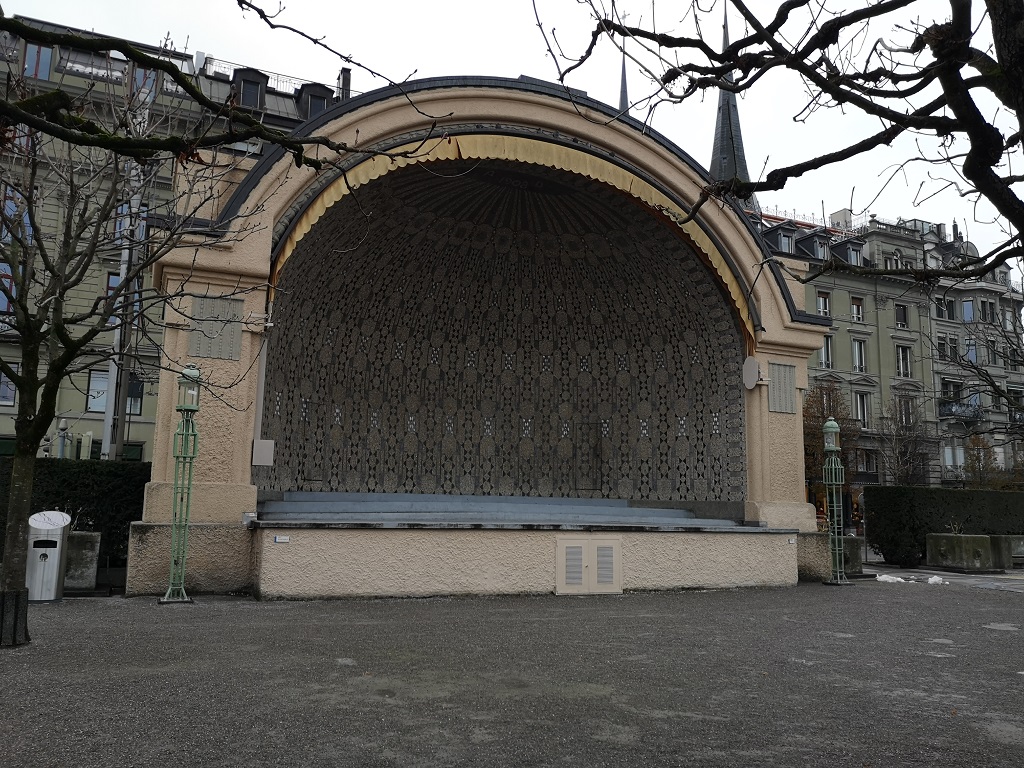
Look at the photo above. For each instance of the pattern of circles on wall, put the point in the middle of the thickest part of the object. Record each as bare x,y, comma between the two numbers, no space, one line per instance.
494,328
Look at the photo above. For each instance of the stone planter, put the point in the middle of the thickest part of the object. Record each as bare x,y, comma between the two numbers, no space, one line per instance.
82,561
1009,551
965,554
853,555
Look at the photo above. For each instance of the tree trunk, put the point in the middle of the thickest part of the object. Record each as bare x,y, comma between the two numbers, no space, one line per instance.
13,592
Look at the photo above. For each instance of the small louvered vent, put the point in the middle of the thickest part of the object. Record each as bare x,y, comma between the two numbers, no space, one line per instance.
605,564
588,564
574,566
782,388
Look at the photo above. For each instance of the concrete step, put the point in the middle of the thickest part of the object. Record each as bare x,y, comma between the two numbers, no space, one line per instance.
449,500
477,507
435,519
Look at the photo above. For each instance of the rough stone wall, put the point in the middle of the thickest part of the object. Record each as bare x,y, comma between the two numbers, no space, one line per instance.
402,562
472,328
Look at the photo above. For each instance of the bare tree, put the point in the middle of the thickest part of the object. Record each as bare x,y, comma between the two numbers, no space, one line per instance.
822,401
108,173
905,442
954,82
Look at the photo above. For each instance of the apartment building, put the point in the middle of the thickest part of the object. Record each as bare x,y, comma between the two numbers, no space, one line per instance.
108,87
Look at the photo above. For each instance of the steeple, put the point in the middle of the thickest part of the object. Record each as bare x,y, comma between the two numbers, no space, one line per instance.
729,160
623,96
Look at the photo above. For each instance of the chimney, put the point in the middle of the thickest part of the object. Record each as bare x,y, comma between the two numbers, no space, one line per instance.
344,90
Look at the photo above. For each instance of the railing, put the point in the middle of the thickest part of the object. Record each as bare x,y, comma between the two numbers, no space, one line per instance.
276,82
958,410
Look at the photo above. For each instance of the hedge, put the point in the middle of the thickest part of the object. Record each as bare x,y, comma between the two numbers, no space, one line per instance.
100,496
899,518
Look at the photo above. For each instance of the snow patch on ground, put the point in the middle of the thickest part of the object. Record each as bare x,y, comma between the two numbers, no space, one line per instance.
884,577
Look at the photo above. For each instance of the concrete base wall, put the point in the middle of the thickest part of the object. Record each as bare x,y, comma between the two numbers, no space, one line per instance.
219,559
814,560
370,562
797,515
223,503
814,556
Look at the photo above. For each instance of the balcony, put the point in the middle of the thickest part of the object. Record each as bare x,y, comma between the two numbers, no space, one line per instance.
957,410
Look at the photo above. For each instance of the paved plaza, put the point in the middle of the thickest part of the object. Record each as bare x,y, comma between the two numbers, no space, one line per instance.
875,674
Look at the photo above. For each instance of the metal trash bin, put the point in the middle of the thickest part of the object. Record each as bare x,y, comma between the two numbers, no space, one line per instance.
47,553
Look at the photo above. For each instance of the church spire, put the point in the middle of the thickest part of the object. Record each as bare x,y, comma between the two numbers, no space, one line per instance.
729,161
623,96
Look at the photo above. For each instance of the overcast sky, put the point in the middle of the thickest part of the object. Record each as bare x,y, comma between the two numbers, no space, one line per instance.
405,39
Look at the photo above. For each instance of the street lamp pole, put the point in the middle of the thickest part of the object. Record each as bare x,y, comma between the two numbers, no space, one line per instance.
834,477
186,448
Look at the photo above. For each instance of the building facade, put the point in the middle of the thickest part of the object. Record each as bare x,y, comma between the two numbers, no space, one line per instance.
149,202
939,362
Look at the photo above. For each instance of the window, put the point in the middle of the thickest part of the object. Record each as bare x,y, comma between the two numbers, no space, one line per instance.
988,311
37,61
7,279
946,347
952,456
113,280
971,351
903,369
96,399
967,310
859,356
8,392
1015,400
129,451
902,316
867,462
16,223
786,243
824,303
857,309
825,353
144,85
135,391
952,391
906,411
854,256
820,249
861,401
250,95
991,356
123,224
132,451
317,104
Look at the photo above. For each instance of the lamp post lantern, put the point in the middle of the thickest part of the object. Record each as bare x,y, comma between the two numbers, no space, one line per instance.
186,448
834,477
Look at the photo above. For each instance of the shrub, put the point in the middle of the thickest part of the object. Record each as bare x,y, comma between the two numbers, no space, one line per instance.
899,518
100,496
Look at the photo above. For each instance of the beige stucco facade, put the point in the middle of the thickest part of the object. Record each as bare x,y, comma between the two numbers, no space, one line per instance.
240,265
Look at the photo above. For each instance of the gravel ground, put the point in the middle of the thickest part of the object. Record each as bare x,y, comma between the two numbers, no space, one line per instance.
871,675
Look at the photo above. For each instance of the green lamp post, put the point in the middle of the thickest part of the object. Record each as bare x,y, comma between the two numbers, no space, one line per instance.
186,448
834,477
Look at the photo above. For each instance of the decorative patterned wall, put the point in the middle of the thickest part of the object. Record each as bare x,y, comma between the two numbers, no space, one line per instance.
501,329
